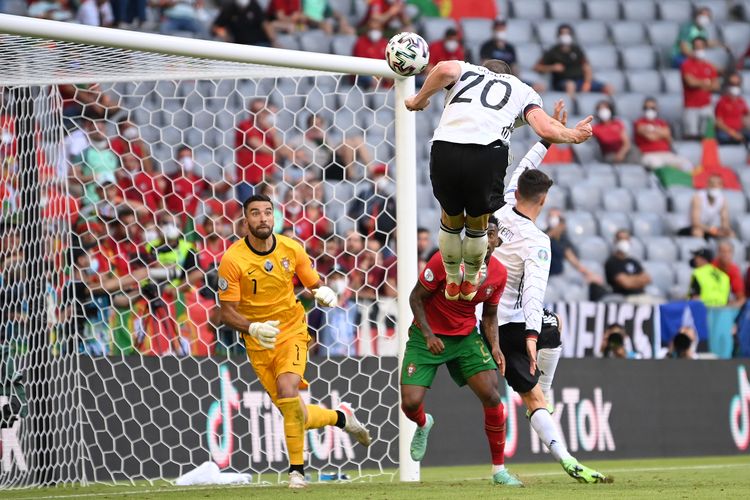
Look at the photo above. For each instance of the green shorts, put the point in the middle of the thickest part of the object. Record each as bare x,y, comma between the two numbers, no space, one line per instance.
465,356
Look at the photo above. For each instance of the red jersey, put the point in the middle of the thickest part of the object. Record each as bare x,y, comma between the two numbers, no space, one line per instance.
646,145
186,191
286,7
697,98
447,317
438,53
253,164
609,135
142,188
735,277
120,146
364,47
731,110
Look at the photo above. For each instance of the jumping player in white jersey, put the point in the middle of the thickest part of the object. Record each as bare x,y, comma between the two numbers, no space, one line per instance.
525,252
469,155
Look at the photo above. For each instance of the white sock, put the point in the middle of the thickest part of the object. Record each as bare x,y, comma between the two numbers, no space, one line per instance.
474,251
542,423
546,360
497,468
449,242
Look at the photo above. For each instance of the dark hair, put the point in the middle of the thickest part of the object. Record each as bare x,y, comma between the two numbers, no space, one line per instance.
499,22
451,32
703,39
681,342
183,147
493,220
615,339
533,184
422,230
254,198
565,26
498,66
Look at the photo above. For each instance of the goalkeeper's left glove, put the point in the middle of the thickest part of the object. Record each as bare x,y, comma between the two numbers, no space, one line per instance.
325,296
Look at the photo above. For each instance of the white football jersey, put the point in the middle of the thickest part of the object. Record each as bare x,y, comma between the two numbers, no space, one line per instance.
483,107
525,253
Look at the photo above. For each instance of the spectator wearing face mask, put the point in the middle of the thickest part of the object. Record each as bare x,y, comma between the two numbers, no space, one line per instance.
185,187
498,47
370,44
709,212
612,136
625,274
337,335
243,22
129,140
732,114
562,249
699,80
654,140
571,71
725,261
449,48
98,162
695,28
256,142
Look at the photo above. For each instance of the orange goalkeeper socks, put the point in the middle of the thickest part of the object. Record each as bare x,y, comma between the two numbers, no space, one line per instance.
294,428
318,417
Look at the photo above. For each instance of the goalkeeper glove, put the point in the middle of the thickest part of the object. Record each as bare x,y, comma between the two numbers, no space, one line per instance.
325,296
265,333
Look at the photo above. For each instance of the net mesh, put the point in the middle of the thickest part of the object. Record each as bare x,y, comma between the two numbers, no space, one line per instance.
114,222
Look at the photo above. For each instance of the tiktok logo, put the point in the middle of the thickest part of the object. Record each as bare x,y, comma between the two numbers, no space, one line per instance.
739,412
221,444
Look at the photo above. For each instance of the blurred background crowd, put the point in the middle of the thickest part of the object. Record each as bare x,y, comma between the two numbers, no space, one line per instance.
652,209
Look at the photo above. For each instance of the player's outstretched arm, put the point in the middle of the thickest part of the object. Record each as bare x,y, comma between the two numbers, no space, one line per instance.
443,74
417,298
325,296
553,131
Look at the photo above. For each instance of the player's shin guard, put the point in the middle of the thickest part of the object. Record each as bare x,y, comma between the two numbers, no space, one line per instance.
318,417
546,360
542,423
294,428
474,250
494,427
449,242
417,416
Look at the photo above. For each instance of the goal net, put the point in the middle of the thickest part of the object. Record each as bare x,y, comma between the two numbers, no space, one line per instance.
123,172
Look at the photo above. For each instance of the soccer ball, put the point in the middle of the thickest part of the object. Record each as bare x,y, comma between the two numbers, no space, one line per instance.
407,54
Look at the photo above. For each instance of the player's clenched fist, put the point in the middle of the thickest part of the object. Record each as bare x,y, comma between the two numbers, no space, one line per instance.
325,296
265,333
434,344
414,103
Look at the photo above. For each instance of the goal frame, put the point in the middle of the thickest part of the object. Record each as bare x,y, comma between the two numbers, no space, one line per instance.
405,134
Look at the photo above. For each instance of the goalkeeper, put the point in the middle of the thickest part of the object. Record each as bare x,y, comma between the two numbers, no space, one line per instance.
445,332
256,291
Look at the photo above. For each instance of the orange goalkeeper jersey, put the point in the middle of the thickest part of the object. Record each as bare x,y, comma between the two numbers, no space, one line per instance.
263,284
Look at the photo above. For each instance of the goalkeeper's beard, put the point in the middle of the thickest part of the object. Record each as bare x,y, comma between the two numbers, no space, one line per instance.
262,233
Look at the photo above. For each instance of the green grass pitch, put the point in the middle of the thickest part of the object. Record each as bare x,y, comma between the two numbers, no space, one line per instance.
689,478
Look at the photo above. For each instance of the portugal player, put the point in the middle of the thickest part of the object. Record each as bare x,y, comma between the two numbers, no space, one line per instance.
445,332
257,297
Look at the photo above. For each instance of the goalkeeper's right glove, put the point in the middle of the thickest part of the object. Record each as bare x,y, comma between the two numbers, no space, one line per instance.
265,333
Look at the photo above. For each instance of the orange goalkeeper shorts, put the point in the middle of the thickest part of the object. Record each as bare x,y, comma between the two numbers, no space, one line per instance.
290,356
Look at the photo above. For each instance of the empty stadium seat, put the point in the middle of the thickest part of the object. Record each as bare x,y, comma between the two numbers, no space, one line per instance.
637,248
639,10
675,10
592,248
528,9
433,28
550,98
586,151
662,33
602,57
580,224
670,108
736,36
736,201
613,77
650,200
527,54
618,200
602,174
611,222
520,31
476,30
680,198
605,10
719,57
569,174
557,197
672,81
315,41
343,44
585,196
638,57
592,32
742,222
676,221
546,32
284,41
629,106
661,274
626,33
661,248
647,224
566,10
689,149
646,81
733,155
688,244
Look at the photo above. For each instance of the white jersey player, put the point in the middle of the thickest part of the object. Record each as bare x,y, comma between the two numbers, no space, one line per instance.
469,155
524,324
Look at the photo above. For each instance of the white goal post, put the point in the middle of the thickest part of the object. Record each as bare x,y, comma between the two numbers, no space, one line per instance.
23,42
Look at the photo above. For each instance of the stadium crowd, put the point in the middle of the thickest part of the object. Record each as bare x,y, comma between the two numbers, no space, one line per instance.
148,235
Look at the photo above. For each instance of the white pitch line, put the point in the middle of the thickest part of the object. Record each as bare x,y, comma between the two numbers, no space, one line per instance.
533,474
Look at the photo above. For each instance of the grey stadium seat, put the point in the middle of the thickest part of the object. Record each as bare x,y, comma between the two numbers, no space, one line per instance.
638,57
586,196
527,54
569,174
343,44
680,198
736,201
605,10
688,244
315,41
676,221
639,10
586,103
650,200
592,248
528,9
566,9
520,31
550,98
743,226
682,273
733,155
592,32
433,28
626,33
557,197
672,81
611,222
661,248
719,57
586,151
602,57
288,42
629,106
618,200
675,10
719,8
689,149
661,274
736,36
645,81
614,77
601,174
646,224
663,33
546,32
580,224
476,30
670,107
